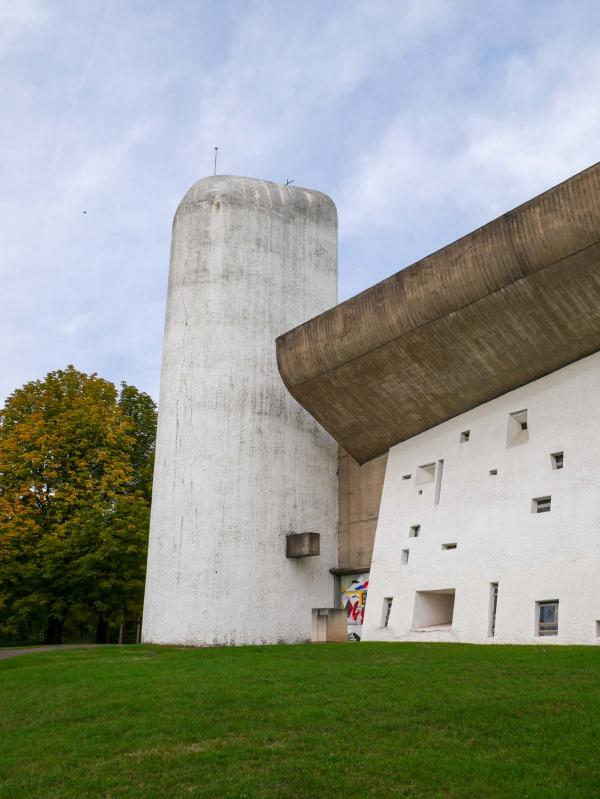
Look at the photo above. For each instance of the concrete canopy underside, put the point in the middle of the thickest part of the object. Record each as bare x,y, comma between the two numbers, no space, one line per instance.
507,304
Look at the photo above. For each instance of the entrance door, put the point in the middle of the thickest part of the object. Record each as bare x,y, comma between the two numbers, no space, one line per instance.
353,590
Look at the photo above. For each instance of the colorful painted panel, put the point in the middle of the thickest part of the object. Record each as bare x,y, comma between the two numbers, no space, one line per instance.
353,590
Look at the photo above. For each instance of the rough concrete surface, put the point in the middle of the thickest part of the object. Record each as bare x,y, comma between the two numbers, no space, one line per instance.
239,464
360,490
505,305
329,625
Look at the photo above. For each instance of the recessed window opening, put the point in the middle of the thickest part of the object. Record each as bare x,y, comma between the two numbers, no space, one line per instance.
557,459
597,628
438,482
406,476
493,608
541,505
426,474
387,609
404,557
518,428
420,491
493,472
414,531
464,436
449,546
433,609
547,617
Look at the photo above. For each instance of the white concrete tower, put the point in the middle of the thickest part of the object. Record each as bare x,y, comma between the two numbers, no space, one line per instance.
239,463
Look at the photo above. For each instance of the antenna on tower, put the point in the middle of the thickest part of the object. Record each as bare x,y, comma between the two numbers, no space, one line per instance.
216,153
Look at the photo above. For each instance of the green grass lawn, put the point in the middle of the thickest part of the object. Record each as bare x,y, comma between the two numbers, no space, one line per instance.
335,720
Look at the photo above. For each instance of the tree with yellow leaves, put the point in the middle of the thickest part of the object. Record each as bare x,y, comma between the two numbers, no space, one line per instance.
75,474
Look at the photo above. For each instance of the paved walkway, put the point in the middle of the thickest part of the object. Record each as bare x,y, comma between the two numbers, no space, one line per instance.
13,652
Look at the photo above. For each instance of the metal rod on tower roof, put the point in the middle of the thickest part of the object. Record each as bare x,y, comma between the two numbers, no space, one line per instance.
216,151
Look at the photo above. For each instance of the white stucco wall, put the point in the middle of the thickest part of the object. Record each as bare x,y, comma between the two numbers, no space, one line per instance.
239,463
533,557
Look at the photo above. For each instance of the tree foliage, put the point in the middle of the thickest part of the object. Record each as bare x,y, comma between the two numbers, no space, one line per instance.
76,460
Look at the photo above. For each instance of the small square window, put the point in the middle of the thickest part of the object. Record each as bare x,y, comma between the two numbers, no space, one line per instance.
557,459
414,531
387,609
404,557
517,431
449,546
493,472
465,436
426,474
597,628
406,476
547,617
541,505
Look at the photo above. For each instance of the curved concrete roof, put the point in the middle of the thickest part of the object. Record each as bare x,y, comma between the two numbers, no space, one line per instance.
258,194
505,305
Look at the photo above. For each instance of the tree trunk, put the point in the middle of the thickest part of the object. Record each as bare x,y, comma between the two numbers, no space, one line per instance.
54,631
102,631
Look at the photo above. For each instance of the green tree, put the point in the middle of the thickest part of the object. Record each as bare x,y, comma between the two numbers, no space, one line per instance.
75,483
140,409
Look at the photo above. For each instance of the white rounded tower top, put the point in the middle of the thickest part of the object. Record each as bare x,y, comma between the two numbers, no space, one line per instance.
259,194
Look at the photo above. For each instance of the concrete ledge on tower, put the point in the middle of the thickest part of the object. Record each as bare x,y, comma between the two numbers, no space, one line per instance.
302,545
329,625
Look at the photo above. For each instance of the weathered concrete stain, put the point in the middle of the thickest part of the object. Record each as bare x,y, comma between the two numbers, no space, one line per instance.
360,490
511,302
239,463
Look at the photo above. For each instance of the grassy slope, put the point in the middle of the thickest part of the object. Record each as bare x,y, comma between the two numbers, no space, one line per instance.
351,720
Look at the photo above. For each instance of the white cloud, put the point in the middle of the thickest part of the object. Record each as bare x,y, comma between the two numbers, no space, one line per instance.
23,12
18,19
281,80
481,156
74,325
421,119
82,81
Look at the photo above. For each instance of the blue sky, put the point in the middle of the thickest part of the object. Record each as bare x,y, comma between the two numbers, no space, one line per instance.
422,119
